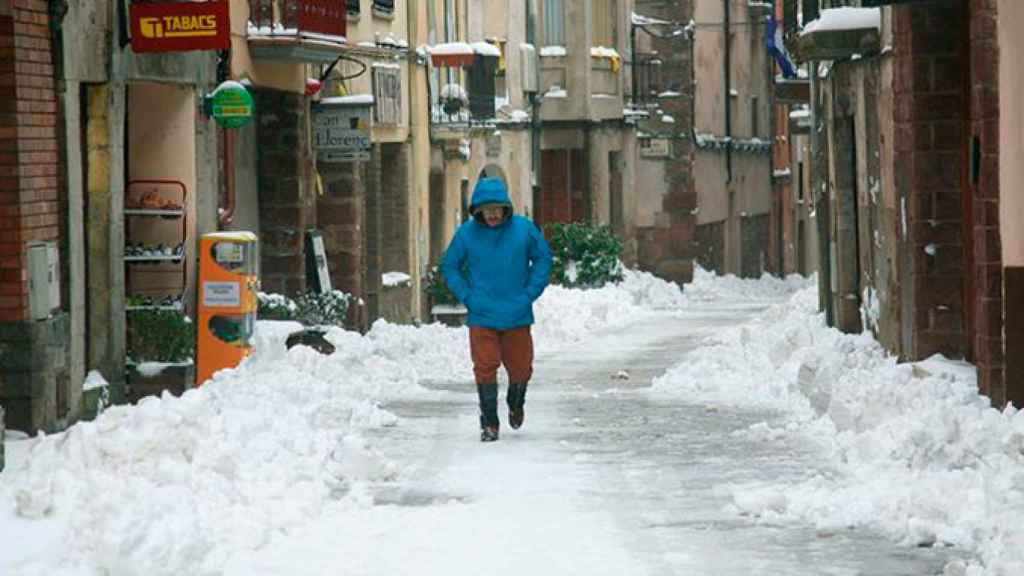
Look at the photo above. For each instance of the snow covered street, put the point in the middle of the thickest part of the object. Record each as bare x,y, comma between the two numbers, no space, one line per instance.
723,431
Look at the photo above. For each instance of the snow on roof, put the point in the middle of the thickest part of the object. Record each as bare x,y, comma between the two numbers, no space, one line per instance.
395,278
641,20
845,19
486,49
451,49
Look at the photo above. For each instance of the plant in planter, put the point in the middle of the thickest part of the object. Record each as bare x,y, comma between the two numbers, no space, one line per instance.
586,255
161,345
445,307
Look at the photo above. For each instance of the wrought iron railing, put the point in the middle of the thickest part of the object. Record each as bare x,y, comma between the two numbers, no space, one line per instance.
455,101
315,16
648,81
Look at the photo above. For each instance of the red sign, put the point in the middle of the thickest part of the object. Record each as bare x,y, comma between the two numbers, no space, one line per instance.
180,26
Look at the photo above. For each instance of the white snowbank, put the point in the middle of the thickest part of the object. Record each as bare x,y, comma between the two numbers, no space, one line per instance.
181,485
910,449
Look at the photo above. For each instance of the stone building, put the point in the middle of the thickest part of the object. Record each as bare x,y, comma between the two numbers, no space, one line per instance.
661,74
912,163
732,167
88,143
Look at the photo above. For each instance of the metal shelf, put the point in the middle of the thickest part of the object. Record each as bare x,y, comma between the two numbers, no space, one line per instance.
171,258
154,212
174,308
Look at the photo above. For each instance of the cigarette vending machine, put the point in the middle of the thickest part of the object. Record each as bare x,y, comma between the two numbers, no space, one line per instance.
228,283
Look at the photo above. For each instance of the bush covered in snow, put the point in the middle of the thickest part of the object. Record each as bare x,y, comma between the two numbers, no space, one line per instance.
310,309
586,255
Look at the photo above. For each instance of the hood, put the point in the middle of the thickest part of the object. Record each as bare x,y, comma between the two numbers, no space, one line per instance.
490,191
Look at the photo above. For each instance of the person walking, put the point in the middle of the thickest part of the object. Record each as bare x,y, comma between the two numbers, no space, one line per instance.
497,265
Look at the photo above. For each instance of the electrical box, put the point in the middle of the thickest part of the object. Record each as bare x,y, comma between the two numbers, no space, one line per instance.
43,279
529,67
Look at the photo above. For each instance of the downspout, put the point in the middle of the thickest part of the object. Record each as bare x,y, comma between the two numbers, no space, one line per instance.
726,62
535,155
227,212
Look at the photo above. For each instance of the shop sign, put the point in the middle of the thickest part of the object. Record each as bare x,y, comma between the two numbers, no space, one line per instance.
231,105
655,147
341,133
180,26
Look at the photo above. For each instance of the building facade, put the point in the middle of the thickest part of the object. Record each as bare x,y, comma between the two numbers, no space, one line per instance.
910,167
732,167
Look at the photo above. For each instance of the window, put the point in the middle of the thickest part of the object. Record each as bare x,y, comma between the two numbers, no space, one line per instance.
605,23
352,7
481,86
384,6
387,94
554,23
754,128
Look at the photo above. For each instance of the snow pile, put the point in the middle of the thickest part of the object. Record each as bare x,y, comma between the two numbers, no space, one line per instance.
182,485
708,286
910,449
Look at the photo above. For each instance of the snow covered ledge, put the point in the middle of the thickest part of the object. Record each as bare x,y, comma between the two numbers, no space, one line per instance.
841,33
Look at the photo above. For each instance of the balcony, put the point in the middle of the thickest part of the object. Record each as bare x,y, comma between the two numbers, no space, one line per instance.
462,88
310,31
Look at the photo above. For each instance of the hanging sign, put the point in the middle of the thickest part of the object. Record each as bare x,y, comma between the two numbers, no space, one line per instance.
341,130
231,105
180,26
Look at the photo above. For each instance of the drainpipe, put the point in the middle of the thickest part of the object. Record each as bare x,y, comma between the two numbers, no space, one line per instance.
227,212
535,156
726,62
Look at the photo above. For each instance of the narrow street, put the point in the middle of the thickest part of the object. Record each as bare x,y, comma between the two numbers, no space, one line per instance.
604,478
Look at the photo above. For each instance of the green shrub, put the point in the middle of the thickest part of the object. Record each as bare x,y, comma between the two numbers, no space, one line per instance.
585,255
436,288
156,335
310,309
275,307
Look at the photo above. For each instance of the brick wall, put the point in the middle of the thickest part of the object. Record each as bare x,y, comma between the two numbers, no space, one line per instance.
29,208
669,248
983,93
928,107
341,213
947,126
33,354
287,205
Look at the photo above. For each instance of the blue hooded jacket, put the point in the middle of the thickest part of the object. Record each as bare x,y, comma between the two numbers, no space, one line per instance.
507,266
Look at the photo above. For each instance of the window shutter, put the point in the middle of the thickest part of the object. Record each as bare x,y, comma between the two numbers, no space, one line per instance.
481,86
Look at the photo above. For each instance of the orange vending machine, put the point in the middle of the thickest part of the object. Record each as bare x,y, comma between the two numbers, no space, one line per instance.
228,282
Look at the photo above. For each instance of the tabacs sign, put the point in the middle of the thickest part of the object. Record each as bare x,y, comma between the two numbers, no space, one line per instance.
180,26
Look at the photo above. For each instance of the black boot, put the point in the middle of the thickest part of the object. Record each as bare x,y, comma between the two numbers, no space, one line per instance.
488,411
516,399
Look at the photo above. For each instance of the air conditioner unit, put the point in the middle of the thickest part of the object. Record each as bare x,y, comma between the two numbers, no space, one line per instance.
43,279
529,67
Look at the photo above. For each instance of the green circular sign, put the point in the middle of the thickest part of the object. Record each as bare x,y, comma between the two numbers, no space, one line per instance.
231,105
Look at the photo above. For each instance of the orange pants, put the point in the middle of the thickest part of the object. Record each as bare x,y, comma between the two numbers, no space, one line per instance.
491,348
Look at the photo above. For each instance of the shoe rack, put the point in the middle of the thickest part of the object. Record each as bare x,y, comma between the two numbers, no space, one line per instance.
155,240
